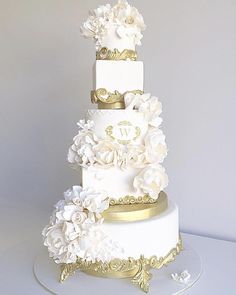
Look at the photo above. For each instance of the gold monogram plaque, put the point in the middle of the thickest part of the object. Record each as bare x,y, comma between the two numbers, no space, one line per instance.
124,132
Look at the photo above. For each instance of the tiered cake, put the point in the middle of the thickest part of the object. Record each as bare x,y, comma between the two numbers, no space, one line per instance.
119,223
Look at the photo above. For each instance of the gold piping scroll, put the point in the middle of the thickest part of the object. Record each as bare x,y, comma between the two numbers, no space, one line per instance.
107,54
136,212
110,100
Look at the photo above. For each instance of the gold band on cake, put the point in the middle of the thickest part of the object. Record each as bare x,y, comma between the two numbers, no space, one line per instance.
136,211
137,269
110,100
107,54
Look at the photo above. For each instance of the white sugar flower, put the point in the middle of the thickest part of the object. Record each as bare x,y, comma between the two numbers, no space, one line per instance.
73,195
97,246
60,248
130,21
67,211
94,201
97,22
132,101
126,20
71,231
151,180
75,228
106,153
149,105
81,151
182,277
156,148
85,126
135,156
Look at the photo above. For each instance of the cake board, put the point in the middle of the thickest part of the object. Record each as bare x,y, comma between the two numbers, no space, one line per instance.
47,274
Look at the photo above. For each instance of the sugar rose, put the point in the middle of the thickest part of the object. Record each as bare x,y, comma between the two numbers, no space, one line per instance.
151,180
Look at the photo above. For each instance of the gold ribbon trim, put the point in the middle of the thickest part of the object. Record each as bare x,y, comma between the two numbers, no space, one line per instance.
107,54
136,212
137,269
110,100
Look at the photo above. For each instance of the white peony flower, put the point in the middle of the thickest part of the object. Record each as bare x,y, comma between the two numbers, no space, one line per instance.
156,148
132,100
71,231
135,156
81,151
106,153
130,21
78,199
152,108
60,247
97,22
149,105
151,180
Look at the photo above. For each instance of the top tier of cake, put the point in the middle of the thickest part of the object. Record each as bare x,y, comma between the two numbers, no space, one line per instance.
115,27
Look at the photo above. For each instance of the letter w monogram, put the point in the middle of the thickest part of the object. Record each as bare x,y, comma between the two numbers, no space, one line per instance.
124,131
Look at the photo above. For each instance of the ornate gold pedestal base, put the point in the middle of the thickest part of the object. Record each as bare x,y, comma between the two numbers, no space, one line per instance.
136,269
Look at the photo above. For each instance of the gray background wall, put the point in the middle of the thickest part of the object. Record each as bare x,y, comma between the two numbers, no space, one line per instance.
189,51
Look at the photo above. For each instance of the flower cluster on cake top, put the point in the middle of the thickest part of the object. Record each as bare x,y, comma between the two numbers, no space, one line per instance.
88,150
121,20
75,229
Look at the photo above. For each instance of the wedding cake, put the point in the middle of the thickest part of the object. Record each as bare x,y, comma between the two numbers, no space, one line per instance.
119,223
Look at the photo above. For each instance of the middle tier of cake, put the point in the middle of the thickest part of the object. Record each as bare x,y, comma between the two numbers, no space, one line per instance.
122,126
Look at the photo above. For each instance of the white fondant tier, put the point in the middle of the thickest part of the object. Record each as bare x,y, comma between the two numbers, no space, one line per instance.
118,75
125,126
116,182
155,236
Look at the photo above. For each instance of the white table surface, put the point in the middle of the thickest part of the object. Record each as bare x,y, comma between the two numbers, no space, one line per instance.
22,242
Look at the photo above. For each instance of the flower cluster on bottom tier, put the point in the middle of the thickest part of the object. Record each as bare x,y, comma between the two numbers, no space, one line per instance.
77,238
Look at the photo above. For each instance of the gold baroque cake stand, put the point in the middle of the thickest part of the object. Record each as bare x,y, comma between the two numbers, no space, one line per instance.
47,273
128,209
136,269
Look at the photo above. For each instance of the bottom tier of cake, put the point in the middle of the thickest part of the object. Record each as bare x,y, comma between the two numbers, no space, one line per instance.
147,244
155,236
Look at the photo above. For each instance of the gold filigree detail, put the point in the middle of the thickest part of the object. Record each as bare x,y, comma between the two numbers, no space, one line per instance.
143,276
131,209
110,100
136,269
128,200
107,54
68,270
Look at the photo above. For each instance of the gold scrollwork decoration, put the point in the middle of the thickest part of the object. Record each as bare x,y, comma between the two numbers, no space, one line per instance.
110,100
107,54
136,269
129,200
129,209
